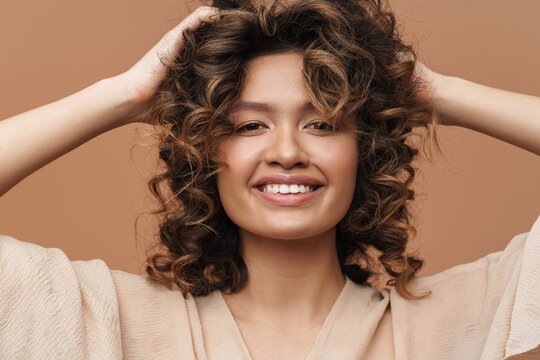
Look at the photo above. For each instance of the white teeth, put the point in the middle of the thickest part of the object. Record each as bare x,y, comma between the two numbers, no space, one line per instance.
286,189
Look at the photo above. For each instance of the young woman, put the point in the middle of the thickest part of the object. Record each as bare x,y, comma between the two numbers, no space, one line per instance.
284,133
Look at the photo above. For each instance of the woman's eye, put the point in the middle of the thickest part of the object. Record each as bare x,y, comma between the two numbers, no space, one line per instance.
323,126
248,127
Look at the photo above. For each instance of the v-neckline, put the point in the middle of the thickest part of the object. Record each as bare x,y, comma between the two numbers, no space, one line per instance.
323,332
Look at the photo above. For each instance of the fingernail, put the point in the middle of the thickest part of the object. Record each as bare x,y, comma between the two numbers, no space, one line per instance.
215,14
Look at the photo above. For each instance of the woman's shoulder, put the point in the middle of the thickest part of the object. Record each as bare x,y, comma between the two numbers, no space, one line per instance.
491,304
27,265
133,290
156,321
46,295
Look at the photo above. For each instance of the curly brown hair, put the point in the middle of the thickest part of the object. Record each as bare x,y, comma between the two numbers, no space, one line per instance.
355,64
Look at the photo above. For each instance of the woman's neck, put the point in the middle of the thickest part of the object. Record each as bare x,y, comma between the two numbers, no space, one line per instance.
289,279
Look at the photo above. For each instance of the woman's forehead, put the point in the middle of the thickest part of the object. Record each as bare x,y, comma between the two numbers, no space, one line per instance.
267,107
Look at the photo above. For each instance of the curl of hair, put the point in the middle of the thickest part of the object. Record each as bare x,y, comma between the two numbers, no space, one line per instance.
355,64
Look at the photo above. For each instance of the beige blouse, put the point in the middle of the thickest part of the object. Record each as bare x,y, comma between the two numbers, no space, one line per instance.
54,308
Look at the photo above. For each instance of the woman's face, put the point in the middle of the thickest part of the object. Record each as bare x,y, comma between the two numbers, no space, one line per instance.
280,144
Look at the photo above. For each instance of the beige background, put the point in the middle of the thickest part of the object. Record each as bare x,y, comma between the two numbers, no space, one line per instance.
470,203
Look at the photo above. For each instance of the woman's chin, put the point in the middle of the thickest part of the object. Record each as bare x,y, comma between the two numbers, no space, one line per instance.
286,232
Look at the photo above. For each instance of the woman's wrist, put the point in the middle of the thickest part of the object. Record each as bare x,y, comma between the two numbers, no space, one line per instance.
125,107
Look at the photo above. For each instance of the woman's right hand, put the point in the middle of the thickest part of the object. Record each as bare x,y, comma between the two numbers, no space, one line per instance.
142,79
34,138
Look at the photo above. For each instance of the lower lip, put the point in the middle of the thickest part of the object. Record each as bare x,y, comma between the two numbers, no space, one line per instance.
288,199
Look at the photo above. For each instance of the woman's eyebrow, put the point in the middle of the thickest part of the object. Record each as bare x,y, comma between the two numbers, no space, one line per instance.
265,107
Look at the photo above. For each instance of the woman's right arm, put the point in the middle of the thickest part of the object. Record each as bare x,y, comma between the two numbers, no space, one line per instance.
31,140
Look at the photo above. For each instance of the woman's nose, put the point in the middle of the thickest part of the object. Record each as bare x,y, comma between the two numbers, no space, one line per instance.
285,148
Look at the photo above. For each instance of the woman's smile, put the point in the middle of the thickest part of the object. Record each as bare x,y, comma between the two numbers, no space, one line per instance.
288,189
284,197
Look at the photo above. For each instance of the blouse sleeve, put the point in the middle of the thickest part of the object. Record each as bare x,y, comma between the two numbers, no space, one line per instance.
525,319
54,308
486,309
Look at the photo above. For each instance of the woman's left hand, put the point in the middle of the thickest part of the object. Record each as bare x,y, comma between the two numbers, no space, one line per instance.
507,116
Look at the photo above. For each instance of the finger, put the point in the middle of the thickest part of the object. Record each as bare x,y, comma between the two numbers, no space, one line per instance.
404,56
203,14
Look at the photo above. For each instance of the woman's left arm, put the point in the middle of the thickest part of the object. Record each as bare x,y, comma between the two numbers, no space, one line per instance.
505,115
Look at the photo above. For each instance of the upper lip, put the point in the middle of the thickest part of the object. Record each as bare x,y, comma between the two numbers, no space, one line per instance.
288,179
